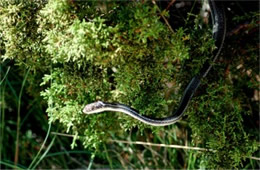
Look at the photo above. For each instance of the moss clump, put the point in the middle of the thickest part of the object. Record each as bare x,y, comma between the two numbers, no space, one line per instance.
113,58
124,52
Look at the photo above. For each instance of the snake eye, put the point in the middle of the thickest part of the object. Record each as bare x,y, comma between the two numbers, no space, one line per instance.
99,105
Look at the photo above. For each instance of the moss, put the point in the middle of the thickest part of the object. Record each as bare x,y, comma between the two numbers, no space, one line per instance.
125,52
120,61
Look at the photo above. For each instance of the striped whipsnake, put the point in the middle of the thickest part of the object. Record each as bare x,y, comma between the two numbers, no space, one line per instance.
219,30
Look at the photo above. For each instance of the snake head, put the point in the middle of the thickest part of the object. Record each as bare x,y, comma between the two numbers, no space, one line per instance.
95,107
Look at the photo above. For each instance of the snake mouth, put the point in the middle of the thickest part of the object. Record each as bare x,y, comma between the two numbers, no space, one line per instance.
93,107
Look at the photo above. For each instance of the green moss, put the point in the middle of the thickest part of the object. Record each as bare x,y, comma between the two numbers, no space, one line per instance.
219,116
119,62
124,52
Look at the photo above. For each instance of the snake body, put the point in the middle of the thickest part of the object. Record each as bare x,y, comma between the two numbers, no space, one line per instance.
219,30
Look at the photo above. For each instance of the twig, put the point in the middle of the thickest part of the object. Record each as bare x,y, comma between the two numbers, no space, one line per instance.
252,157
163,145
62,134
244,26
156,144
170,4
145,143
165,20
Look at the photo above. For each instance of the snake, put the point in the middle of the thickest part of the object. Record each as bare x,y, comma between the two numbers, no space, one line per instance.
218,31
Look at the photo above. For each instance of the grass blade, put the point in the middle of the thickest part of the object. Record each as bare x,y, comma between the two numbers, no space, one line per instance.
2,116
107,156
45,153
6,73
91,160
19,118
10,165
43,144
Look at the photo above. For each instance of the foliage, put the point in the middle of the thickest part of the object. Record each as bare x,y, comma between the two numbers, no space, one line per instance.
84,51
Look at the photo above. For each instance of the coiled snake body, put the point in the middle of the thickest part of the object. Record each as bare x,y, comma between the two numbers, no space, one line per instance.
219,30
